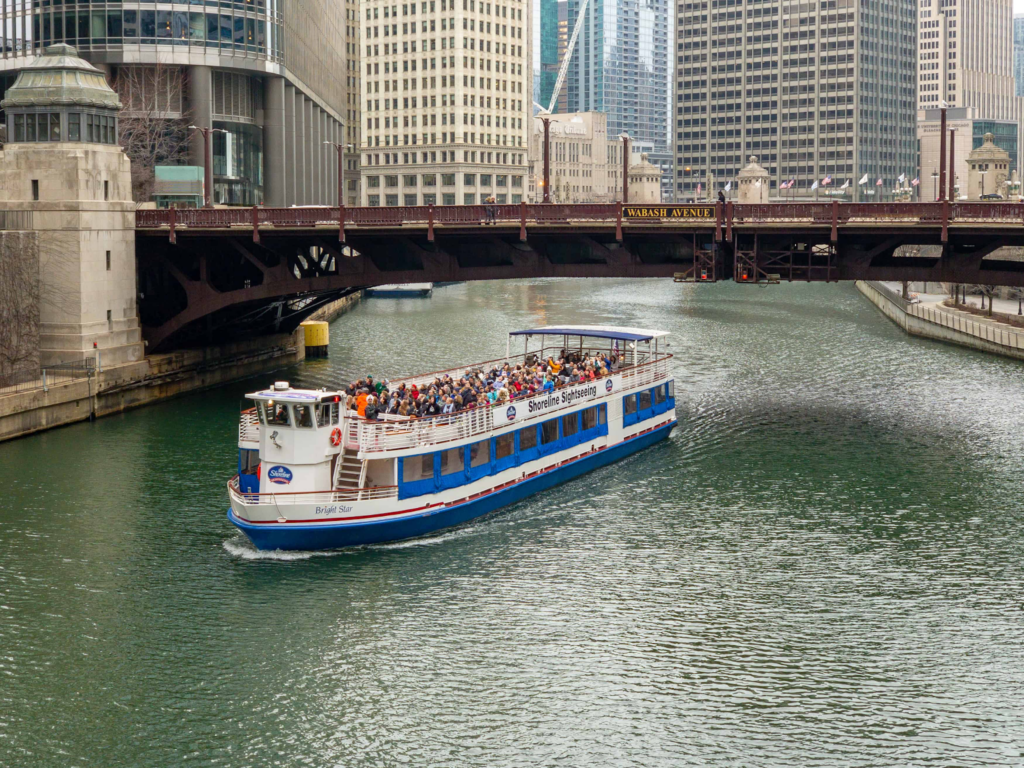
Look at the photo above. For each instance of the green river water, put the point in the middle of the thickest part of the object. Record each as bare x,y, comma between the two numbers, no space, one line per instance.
821,567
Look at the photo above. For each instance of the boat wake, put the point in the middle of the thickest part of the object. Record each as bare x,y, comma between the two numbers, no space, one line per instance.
241,548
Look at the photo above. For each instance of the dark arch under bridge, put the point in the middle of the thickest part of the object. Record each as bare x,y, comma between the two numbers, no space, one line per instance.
250,271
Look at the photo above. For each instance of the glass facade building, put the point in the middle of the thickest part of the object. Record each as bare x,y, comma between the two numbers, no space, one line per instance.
279,77
621,66
549,50
1004,136
1018,54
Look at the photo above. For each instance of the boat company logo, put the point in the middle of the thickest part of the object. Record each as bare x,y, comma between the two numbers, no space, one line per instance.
279,475
510,414
608,386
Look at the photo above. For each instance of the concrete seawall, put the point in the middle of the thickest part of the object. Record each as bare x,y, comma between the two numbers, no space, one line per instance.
932,322
155,378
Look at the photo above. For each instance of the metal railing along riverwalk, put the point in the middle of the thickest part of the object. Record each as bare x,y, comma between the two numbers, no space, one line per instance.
954,321
49,376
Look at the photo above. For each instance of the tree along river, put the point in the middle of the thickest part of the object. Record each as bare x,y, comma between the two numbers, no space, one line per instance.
821,567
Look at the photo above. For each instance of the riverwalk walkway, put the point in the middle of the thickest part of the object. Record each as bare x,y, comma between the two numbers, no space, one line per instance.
931,318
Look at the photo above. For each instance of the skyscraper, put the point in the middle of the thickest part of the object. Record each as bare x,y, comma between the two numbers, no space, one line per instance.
620,66
563,44
447,99
269,77
549,59
1018,53
813,89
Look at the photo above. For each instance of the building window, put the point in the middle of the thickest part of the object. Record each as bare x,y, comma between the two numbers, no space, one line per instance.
469,198
373,200
108,261
74,127
409,181
106,196
390,181
35,189
501,181
517,181
430,199
448,180
429,179
410,200
373,182
470,179
448,198
391,200
485,179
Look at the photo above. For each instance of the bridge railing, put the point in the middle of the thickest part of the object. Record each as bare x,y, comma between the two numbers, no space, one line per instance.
557,213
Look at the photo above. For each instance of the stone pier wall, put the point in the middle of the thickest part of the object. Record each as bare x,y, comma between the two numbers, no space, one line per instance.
970,336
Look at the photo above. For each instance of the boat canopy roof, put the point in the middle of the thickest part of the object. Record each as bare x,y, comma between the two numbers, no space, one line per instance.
594,331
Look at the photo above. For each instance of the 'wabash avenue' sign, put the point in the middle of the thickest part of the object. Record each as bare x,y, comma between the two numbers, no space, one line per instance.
668,212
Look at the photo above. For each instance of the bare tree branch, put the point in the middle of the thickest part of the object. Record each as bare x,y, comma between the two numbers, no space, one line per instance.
153,124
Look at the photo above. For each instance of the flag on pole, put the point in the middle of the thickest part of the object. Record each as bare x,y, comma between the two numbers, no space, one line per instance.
757,184
814,186
728,186
879,182
846,184
864,179
901,178
698,190
827,180
914,182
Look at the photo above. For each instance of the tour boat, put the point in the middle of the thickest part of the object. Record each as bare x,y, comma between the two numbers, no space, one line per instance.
400,290
313,476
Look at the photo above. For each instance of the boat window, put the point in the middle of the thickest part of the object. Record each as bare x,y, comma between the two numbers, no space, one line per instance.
645,400
659,394
277,414
601,413
335,413
671,388
570,425
589,418
323,414
549,431
417,467
453,461
480,453
504,445
262,413
629,404
303,416
527,438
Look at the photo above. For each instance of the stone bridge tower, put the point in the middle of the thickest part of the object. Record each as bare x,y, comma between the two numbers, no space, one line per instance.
63,176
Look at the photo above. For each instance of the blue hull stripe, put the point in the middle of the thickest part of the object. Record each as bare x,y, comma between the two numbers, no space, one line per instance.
327,536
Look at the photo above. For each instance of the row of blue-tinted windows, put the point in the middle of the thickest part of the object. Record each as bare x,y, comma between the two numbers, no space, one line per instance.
648,403
431,472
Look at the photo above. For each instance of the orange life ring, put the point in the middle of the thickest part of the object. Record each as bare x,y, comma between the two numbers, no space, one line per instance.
336,437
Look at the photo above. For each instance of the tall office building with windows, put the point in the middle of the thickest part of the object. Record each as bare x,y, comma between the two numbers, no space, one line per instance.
967,58
620,66
447,97
1018,54
269,75
549,50
814,89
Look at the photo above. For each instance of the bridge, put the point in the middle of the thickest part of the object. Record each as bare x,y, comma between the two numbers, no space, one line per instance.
262,270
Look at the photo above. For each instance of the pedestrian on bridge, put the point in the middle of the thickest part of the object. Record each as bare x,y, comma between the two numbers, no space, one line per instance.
490,205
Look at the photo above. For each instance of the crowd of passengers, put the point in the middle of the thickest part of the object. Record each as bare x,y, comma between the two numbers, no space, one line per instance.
477,388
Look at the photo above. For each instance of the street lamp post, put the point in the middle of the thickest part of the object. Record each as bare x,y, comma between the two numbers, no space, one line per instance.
207,163
340,148
982,174
942,153
625,167
935,183
546,183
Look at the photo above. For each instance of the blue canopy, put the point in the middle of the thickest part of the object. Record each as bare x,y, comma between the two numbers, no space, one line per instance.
593,331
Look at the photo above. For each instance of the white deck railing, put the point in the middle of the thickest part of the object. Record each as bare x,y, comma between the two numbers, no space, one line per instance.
339,495
381,436
249,427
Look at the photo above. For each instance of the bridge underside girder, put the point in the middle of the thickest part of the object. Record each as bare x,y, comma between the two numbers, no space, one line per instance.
227,284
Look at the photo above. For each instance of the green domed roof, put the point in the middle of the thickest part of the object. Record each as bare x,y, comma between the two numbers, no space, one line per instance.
60,78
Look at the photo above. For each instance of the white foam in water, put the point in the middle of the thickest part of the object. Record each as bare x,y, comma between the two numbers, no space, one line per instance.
240,547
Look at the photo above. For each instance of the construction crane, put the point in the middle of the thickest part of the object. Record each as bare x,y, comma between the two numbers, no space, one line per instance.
568,55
